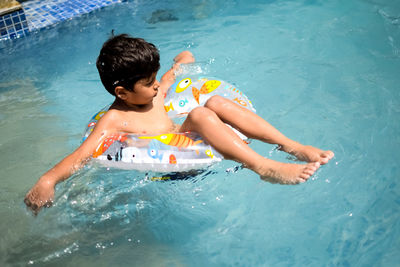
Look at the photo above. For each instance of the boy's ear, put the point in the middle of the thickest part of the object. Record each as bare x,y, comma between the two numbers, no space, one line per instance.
120,92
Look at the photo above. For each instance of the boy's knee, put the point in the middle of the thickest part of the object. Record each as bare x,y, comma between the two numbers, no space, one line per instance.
200,114
215,102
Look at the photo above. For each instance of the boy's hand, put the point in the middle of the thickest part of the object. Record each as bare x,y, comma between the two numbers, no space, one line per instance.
41,194
168,78
184,57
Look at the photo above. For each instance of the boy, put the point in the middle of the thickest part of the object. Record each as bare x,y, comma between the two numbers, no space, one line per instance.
128,68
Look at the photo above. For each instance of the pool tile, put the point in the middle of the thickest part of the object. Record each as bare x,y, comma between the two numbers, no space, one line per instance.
36,15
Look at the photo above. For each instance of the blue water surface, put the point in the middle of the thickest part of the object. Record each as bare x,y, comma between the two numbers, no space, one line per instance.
325,73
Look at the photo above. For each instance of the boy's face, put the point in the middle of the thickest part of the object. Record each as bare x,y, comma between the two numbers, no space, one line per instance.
144,91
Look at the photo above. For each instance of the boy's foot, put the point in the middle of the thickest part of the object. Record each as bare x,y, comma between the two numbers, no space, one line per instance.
287,173
308,153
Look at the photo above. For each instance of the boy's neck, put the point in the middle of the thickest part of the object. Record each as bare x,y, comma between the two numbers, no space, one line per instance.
122,105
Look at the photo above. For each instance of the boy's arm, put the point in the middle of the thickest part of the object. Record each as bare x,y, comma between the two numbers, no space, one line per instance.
168,78
42,193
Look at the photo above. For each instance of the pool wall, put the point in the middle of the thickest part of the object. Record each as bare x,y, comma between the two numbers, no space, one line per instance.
32,16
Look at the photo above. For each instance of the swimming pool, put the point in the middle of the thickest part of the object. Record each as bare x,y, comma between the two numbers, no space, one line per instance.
323,72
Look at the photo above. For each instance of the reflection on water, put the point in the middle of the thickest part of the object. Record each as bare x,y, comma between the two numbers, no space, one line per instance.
27,134
111,213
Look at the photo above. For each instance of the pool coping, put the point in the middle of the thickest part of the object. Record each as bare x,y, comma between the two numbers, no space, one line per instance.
10,7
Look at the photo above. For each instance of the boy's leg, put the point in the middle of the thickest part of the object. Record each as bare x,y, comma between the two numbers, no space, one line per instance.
253,126
206,122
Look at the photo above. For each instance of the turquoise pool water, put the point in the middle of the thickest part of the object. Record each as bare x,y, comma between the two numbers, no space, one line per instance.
325,73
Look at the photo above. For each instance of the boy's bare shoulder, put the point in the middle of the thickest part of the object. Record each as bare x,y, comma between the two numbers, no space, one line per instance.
110,119
117,120
113,113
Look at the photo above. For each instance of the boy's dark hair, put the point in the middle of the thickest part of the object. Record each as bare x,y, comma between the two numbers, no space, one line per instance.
124,60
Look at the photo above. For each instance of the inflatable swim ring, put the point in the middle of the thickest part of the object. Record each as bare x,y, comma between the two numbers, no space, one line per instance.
169,152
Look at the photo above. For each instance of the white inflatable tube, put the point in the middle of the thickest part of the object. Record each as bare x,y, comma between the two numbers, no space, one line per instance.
169,152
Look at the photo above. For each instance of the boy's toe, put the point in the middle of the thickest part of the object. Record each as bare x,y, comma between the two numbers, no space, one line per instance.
309,172
326,156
